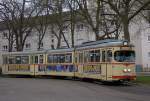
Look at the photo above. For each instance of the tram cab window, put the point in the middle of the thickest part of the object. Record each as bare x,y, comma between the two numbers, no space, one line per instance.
124,56
109,56
25,60
68,58
103,56
50,59
41,59
18,59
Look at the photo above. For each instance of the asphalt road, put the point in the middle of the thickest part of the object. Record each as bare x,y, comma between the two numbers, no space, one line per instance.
34,89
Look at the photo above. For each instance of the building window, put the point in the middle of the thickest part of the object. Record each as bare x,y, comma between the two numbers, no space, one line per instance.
52,46
148,38
65,29
4,35
80,27
28,46
148,54
5,48
52,40
52,36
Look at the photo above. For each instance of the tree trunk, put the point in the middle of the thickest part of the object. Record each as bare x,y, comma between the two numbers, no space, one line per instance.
126,30
59,40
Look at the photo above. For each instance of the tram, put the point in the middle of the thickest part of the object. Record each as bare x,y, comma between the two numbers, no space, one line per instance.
106,60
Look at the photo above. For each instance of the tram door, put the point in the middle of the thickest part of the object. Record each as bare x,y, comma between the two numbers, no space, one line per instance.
34,64
106,64
109,59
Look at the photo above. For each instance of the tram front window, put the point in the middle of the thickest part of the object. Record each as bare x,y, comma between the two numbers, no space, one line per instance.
124,56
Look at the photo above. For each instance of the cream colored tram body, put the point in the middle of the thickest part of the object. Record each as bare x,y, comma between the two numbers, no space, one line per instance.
22,63
107,60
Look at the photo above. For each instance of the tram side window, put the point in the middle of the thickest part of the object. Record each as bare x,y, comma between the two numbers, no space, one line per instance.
18,59
62,58
109,55
97,55
103,56
36,59
80,57
94,56
31,60
25,60
50,59
68,58
91,56
5,59
55,58
11,60
86,56
41,59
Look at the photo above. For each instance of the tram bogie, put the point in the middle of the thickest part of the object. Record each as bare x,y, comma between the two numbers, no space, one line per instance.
109,60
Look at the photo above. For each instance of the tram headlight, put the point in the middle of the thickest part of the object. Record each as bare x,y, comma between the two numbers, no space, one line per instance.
125,70
129,70
125,43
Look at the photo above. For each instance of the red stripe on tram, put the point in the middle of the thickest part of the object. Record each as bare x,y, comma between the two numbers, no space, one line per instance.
124,77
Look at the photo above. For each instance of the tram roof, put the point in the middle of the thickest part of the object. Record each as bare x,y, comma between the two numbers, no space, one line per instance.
101,43
23,53
60,50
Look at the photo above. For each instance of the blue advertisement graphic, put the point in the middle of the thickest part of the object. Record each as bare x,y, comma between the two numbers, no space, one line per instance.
58,68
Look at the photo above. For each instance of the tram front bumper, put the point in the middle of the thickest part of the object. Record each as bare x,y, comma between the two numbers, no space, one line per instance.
124,77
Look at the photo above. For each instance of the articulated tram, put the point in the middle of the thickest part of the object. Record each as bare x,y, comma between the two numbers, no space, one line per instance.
107,60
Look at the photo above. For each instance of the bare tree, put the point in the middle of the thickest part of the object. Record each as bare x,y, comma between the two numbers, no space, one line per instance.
73,8
20,15
59,21
6,23
127,10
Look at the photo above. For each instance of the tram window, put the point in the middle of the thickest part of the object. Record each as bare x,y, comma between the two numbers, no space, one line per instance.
58,58
32,59
18,59
97,55
94,56
86,56
103,56
91,56
55,59
36,59
109,55
25,59
41,59
124,56
62,58
11,60
50,59
80,57
68,58
5,59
